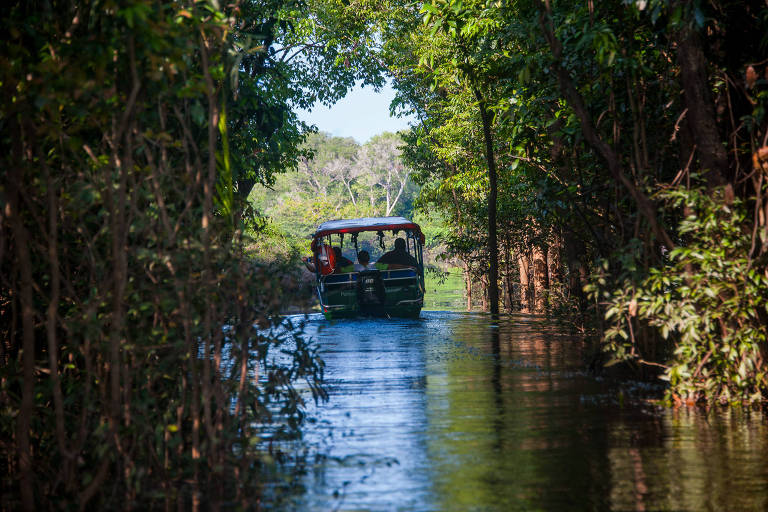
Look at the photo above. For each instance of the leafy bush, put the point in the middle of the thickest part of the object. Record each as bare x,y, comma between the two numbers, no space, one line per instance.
710,302
143,362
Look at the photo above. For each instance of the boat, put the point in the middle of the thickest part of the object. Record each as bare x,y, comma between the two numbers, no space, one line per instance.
390,289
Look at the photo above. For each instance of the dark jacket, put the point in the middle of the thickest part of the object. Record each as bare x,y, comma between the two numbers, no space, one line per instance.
398,257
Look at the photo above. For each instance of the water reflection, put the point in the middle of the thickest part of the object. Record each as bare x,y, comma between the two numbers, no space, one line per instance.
451,412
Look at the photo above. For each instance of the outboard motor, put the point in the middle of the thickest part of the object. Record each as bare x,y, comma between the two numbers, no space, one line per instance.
370,291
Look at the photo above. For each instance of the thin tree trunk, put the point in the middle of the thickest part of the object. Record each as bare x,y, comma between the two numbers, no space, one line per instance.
399,193
573,248
493,248
524,269
540,277
53,305
507,275
637,156
468,284
554,259
698,100
208,187
27,406
351,195
387,193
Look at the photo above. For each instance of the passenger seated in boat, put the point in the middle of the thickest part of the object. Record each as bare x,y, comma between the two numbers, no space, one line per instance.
363,261
309,262
343,264
398,256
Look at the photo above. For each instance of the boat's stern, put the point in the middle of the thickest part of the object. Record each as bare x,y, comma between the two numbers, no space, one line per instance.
392,293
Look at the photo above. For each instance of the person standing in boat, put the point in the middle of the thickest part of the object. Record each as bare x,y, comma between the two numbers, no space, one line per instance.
398,256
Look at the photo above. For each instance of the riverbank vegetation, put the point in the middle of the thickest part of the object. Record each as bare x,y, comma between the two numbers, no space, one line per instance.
143,363
605,159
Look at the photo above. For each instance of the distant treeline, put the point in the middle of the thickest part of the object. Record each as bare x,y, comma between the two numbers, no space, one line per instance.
336,179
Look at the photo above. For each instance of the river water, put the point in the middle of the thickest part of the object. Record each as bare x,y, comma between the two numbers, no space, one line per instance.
450,412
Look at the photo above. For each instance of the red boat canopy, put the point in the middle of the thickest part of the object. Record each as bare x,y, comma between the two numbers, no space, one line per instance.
367,224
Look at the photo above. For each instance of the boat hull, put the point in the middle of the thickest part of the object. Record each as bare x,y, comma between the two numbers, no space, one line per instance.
384,312
387,293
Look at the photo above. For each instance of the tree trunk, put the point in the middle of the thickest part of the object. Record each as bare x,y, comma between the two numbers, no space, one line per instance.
554,259
507,276
506,297
493,248
27,407
23,443
468,284
540,277
701,111
576,271
525,286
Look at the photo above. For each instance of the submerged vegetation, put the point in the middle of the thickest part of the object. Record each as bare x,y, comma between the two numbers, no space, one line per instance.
607,159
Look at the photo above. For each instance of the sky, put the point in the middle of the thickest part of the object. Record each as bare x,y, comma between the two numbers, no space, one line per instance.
361,114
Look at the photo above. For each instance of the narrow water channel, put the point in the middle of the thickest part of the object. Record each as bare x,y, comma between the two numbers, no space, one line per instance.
451,413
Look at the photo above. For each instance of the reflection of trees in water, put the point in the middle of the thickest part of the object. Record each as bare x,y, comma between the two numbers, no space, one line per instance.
689,459
521,429
484,426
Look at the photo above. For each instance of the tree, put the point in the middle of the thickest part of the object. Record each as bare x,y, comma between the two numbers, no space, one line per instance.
380,159
137,335
600,118
341,180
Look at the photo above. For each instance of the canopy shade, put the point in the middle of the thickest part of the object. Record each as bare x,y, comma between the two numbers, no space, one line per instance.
366,224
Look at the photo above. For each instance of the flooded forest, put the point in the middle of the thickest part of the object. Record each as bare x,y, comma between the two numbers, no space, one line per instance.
585,185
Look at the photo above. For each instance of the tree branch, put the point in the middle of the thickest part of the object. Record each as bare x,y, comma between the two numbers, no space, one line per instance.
645,206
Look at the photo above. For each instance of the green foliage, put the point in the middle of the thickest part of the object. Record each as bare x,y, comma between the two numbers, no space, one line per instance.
340,179
593,114
144,361
444,290
710,301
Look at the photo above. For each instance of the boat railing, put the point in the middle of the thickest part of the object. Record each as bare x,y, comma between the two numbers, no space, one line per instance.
386,275
346,281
